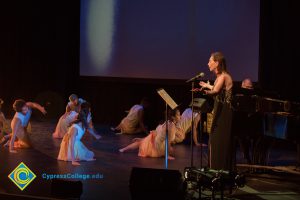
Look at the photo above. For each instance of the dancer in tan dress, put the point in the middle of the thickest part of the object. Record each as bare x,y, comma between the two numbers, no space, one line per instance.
134,122
154,144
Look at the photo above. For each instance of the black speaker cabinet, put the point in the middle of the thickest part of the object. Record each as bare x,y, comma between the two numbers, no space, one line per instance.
66,189
146,183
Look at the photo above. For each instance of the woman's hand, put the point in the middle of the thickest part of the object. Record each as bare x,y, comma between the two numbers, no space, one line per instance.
203,84
205,92
42,109
197,90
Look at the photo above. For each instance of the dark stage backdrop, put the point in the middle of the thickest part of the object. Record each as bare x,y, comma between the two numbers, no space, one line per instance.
39,59
169,39
279,48
39,50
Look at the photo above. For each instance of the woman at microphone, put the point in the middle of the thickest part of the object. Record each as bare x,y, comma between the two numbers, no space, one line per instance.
220,141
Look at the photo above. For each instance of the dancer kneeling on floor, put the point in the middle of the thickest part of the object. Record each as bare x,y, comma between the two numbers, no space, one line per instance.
184,125
71,148
133,123
66,120
19,137
154,144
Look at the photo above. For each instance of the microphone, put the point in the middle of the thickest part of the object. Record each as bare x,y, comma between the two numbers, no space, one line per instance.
200,75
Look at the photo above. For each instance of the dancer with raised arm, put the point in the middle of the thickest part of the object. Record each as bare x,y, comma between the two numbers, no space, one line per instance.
19,137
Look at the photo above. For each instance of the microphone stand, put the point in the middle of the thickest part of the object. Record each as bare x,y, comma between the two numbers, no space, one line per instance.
193,79
201,138
167,139
192,126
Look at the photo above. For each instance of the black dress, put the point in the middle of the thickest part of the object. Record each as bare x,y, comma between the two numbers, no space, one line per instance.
221,140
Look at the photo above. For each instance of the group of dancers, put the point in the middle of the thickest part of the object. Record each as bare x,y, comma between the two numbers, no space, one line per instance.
77,120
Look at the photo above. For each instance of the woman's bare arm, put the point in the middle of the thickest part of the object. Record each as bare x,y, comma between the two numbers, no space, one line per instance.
15,125
206,85
217,87
37,106
68,108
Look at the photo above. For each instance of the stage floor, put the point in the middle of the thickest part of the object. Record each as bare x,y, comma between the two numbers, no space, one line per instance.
116,167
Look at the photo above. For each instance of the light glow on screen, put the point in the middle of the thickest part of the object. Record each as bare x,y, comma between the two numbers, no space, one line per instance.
97,33
169,39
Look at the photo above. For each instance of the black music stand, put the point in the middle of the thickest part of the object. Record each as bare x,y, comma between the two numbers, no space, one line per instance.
169,102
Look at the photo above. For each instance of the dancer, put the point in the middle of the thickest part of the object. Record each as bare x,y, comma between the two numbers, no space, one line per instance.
2,123
71,147
133,123
221,141
74,103
72,110
154,144
64,123
2,117
19,124
185,123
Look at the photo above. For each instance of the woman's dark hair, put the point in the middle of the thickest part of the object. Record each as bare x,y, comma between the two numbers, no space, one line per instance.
18,105
172,113
219,57
145,102
83,114
86,106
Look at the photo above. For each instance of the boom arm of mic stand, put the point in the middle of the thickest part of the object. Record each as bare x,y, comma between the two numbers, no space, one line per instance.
192,79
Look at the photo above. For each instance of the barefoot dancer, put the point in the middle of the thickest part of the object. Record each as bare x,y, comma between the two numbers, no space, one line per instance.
134,122
154,144
19,124
72,110
71,148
